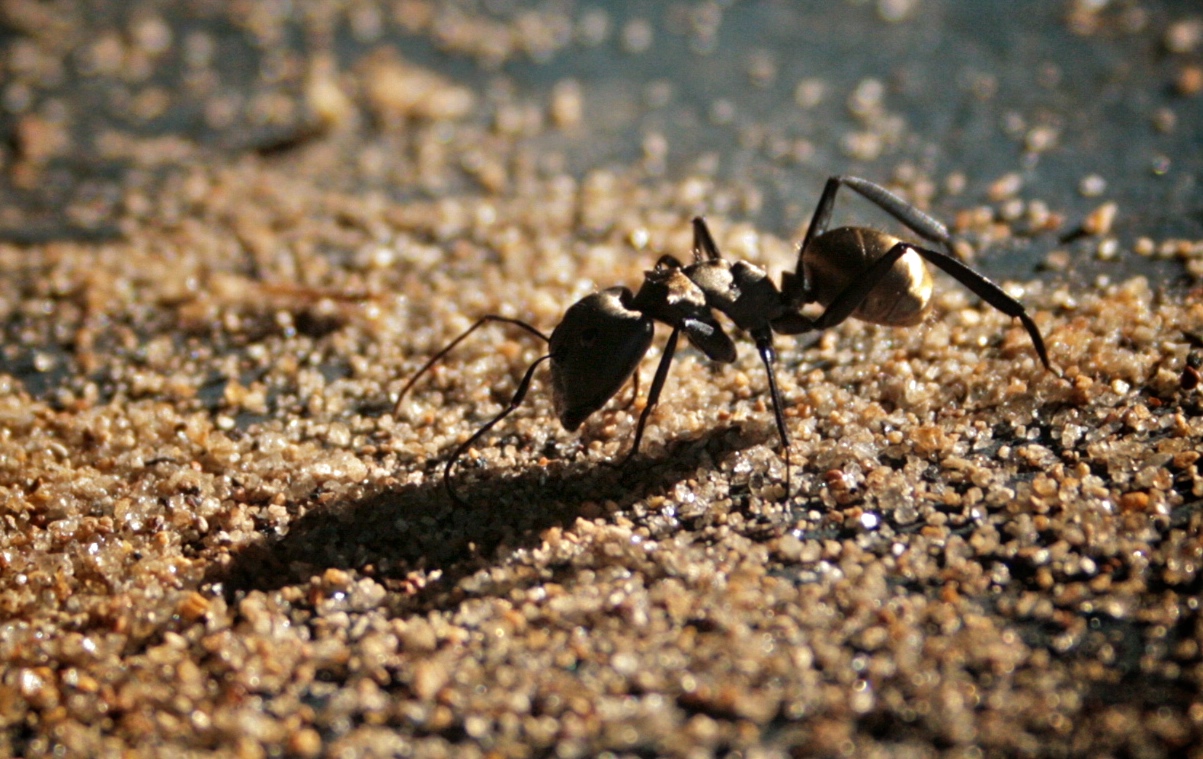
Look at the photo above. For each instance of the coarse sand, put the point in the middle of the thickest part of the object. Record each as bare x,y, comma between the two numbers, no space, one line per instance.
218,538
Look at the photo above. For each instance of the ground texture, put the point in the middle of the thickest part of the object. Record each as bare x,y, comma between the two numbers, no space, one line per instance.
218,535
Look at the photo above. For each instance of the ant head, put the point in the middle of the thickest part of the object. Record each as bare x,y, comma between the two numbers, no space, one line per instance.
594,350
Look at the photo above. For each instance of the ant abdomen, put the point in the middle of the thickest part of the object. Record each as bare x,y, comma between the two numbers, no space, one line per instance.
902,296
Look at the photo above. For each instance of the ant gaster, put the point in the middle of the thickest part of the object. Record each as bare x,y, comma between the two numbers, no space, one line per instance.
850,271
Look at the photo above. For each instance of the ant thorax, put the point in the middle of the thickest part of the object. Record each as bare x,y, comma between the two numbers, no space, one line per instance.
741,290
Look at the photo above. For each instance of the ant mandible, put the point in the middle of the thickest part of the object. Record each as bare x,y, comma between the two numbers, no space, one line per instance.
850,271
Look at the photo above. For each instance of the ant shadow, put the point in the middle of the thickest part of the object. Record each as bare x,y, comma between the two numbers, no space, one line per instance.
416,530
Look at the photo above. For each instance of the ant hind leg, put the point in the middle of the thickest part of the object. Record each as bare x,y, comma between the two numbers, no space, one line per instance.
990,292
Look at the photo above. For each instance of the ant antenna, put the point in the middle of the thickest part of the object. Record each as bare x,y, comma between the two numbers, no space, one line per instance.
435,358
516,401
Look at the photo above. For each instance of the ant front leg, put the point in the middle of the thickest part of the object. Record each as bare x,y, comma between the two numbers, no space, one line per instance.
653,393
634,390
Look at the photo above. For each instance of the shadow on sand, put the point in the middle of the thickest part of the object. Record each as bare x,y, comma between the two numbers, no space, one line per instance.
417,530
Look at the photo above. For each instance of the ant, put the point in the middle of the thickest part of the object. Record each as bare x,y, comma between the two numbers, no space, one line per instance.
850,271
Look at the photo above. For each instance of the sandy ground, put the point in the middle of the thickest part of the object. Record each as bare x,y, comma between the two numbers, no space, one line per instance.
218,538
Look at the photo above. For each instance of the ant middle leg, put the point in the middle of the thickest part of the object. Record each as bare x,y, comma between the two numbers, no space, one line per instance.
764,346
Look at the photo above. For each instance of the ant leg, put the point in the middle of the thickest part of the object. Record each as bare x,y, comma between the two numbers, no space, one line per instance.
919,222
854,294
764,344
634,389
794,285
930,229
703,242
516,401
822,215
435,358
989,292
653,394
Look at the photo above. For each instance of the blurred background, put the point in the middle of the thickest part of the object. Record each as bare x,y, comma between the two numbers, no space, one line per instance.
1076,123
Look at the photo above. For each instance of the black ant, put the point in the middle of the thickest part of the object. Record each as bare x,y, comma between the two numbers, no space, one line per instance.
850,271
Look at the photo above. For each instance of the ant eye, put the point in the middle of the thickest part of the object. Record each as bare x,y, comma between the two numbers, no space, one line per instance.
589,336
